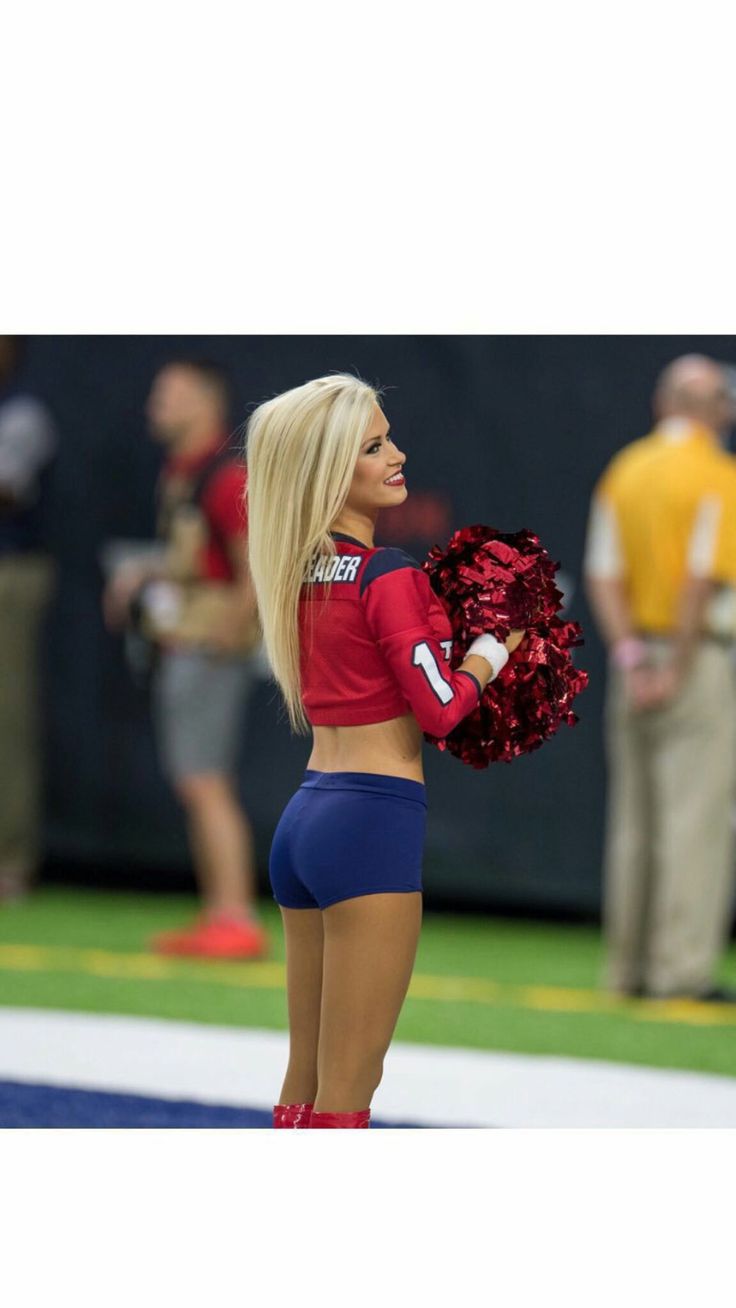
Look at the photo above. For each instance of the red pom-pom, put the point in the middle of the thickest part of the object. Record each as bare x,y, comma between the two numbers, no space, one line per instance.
502,581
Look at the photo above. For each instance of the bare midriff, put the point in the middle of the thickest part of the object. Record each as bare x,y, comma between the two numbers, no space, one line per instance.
391,749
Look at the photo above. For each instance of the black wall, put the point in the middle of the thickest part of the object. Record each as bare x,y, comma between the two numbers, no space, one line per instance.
513,430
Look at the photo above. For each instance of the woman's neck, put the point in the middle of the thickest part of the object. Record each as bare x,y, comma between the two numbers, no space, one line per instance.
358,525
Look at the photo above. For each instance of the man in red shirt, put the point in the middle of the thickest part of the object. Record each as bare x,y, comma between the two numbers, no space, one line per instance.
198,604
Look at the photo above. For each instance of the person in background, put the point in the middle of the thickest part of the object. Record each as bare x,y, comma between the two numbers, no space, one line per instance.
660,562
27,443
197,603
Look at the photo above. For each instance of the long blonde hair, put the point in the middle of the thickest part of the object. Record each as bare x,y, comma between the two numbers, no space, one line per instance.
302,447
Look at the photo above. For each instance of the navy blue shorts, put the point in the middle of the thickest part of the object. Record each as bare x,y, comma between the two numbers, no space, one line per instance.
345,834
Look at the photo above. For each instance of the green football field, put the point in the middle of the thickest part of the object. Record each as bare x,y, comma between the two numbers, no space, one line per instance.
479,982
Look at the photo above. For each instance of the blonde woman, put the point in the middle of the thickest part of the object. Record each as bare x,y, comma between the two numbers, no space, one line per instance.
360,648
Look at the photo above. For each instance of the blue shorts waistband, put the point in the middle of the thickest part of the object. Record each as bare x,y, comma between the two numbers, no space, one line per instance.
370,781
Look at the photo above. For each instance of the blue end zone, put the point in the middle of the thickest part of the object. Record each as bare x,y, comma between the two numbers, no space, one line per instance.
25,1105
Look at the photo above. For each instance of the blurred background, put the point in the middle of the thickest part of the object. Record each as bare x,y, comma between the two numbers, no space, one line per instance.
512,432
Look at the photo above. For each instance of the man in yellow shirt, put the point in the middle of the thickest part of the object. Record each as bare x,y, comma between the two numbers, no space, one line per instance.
660,569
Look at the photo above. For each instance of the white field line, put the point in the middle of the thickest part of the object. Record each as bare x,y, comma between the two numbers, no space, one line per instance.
423,1084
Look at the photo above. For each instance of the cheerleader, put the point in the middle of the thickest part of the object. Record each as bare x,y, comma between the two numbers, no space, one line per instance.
360,647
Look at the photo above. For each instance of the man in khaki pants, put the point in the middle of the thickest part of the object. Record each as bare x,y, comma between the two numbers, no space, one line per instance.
660,566
27,442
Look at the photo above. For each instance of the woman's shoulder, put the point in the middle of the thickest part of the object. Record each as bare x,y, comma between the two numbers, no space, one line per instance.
385,559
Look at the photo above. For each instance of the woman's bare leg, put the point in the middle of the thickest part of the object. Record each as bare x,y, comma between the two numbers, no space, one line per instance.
304,947
370,945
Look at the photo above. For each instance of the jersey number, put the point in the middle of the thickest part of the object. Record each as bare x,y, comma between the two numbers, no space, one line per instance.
422,657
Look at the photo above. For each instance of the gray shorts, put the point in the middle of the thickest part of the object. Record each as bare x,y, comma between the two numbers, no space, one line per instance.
198,709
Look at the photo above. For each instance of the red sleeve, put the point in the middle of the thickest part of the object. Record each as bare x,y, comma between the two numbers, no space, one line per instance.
224,503
398,599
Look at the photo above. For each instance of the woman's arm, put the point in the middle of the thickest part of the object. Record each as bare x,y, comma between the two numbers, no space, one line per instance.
397,600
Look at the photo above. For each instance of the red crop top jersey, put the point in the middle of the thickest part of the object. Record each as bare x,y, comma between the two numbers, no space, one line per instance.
380,646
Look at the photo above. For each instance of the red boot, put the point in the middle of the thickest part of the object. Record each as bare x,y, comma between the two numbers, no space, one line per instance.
356,1120
292,1115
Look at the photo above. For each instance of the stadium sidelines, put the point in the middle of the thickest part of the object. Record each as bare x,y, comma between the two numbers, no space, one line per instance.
428,1085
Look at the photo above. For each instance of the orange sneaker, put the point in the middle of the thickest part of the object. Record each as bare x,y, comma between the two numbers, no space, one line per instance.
220,937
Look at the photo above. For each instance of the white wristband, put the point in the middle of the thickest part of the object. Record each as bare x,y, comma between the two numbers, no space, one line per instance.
491,650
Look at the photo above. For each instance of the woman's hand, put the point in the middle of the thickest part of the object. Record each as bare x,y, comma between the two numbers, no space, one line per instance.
514,640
